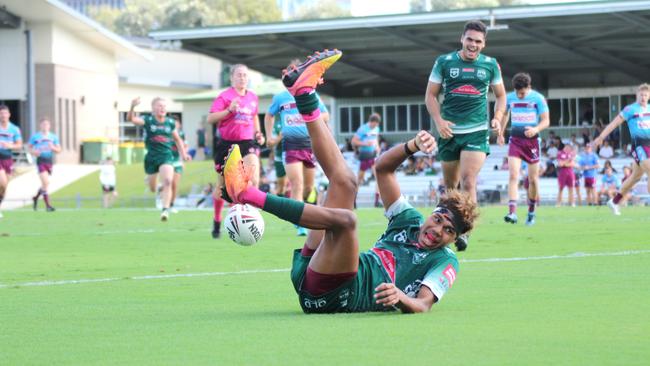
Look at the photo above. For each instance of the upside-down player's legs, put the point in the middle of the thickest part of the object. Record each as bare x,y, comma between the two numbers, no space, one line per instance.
338,251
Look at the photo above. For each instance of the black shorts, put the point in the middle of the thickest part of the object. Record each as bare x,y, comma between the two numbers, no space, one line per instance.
108,189
223,146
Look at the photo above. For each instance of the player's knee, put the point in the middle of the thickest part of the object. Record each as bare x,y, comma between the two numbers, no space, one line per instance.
166,182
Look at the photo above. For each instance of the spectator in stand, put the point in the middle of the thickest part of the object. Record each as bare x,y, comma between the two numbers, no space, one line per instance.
504,164
552,150
609,184
565,177
588,163
608,164
584,132
575,143
549,170
606,151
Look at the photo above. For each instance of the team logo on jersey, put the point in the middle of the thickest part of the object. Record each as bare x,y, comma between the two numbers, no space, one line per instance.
400,237
466,90
419,257
481,74
454,72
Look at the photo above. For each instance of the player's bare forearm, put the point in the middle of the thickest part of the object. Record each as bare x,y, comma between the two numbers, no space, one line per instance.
504,122
609,129
215,118
389,295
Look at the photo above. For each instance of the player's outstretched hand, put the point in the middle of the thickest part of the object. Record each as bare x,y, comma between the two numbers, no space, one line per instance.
425,142
444,129
387,294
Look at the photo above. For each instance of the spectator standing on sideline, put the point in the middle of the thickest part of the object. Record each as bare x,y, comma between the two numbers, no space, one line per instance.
107,179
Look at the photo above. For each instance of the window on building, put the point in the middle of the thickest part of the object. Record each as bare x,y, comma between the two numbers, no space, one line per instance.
402,118
390,118
414,117
355,118
344,119
425,118
554,111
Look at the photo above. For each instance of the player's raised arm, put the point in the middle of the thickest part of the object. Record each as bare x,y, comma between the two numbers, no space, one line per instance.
389,161
610,127
131,116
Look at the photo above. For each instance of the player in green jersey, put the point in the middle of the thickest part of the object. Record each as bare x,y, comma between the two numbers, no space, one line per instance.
409,268
464,77
273,130
178,163
159,136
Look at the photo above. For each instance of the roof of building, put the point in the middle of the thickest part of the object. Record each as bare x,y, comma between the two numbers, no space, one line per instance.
39,11
587,44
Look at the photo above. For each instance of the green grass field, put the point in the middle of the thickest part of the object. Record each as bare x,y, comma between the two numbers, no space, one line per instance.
545,306
130,185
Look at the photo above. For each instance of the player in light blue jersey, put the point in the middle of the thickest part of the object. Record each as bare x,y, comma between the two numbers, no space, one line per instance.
637,116
366,140
10,139
528,111
43,145
298,158
588,163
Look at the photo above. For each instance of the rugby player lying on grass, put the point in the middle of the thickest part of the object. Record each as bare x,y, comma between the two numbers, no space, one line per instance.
409,268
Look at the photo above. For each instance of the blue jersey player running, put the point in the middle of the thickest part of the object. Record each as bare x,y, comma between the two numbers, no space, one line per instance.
298,158
44,144
637,116
528,112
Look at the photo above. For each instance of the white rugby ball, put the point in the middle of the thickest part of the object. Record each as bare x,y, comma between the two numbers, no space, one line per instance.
244,224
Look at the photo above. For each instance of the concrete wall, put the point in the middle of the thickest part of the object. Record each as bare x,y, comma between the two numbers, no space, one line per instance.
172,68
13,64
76,87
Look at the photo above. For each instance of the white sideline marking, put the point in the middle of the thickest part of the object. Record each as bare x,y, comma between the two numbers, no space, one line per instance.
214,274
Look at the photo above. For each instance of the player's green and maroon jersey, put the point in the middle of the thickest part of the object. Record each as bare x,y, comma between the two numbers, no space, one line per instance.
465,86
158,137
408,265
175,152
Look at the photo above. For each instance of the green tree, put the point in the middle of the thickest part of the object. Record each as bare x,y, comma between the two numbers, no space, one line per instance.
321,10
437,5
139,17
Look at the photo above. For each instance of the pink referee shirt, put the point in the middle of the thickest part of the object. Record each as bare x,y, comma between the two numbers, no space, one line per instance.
238,125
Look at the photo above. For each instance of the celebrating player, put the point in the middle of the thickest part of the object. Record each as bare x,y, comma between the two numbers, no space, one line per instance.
298,158
234,112
160,135
529,114
464,77
329,274
366,140
43,144
637,116
10,139
178,163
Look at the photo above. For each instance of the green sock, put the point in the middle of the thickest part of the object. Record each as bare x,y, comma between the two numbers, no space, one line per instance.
306,103
284,208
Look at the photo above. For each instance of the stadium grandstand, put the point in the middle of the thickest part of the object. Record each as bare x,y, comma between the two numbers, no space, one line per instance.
587,74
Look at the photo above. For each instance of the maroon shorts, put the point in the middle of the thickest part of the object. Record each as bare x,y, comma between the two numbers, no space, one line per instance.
641,153
6,165
44,165
566,177
366,164
590,182
524,149
304,156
